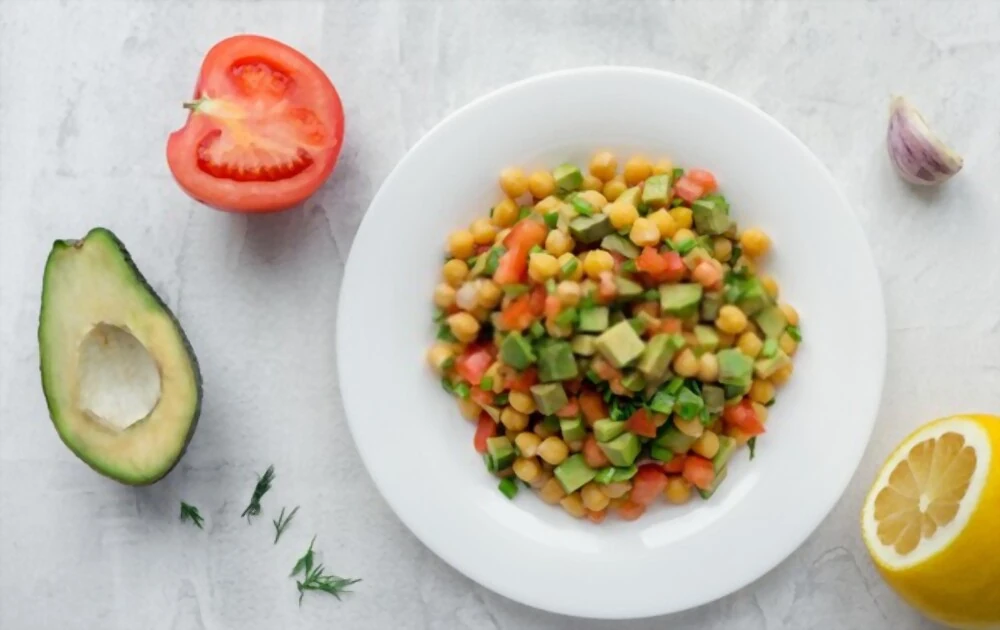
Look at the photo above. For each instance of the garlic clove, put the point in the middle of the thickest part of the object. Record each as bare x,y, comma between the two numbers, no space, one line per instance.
918,155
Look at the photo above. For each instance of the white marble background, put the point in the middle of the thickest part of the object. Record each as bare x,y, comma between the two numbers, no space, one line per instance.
88,93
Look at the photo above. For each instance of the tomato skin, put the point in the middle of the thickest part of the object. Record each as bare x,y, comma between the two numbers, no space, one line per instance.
314,102
512,268
630,510
699,471
522,381
661,267
688,189
570,410
648,484
536,301
675,466
517,315
671,325
592,453
743,417
703,178
526,234
641,423
472,364
592,406
485,429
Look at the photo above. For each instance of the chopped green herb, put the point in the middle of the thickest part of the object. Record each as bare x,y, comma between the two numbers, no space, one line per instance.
191,513
794,333
438,316
676,174
525,212
605,475
462,390
637,325
493,260
592,377
316,580
471,261
567,317
263,485
536,330
569,268
676,202
769,349
622,408
486,384
535,249
491,466
643,208
737,252
552,220
282,522
515,290
689,404
662,402
652,295
508,488
674,386
448,364
582,206
752,445
770,402
587,301
550,286
684,247
500,399
447,386
629,266
444,333
694,385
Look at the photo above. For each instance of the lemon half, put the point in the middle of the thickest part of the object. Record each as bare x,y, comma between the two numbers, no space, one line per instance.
932,521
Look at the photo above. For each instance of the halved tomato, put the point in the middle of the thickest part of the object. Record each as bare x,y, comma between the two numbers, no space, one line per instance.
265,128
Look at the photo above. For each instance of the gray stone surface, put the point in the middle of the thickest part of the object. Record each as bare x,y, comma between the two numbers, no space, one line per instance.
89,92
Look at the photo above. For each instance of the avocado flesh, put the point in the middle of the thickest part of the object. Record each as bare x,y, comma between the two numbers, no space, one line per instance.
119,377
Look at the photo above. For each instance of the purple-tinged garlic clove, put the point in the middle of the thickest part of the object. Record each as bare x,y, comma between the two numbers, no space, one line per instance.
918,155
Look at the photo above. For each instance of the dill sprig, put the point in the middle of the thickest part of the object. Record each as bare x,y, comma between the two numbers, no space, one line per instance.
316,580
190,513
263,485
282,522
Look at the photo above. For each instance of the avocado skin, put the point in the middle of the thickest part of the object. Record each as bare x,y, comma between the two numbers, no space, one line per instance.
100,232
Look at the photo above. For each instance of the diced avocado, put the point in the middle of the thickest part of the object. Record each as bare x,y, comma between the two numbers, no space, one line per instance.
680,300
568,178
556,362
764,368
727,446
620,344
634,382
719,478
591,229
662,402
672,438
572,429
606,429
735,392
617,316
735,368
632,196
584,345
620,244
661,453
574,473
593,319
492,411
501,452
622,450
769,349
656,190
516,351
689,405
715,398
696,256
648,321
624,473
711,216
121,381
549,397
708,339
754,297
605,475
627,289
771,321
655,359
710,305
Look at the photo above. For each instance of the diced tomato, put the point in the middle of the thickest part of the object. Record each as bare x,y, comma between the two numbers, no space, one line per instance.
521,381
703,178
517,315
661,267
671,325
630,510
481,397
592,406
606,288
699,471
593,455
648,484
604,370
616,386
486,428
570,409
688,189
572,386
536,301
596,517
472,364
650,261
675,466
552,306
743,417
675,267
526,234
641,423
707,275
512,268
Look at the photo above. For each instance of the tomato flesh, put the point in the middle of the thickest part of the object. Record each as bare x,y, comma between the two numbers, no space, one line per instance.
485,429
265,129
647,484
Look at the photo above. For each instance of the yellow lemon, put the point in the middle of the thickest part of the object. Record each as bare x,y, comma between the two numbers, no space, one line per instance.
932,521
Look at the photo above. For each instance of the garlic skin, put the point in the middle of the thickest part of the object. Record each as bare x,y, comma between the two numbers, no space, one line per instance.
918,155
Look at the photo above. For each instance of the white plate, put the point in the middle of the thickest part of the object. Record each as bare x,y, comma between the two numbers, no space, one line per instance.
417,447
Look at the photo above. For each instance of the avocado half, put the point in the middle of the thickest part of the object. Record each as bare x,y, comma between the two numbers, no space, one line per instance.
120,378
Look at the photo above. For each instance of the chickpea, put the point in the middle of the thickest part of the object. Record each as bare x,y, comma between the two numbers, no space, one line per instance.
522,402
542,266
558,243
755,243
568,293
527,443
691,428
513,182
464,326
597,261
761,391
593,498
469,409
594,198
787,344
678,490
637,169
444,295
750,344
682,216
439,355
552,492
514,419
553,450
526,469
505,213
686,364
613,188
770,285
722,248
707,445
490,293
541,184
791,315
681,235
708,367
664,223
603,165
483,231
731,319
549,204
573,505
760,411
461,244
591,183
782,375
621,214
616,490
644,233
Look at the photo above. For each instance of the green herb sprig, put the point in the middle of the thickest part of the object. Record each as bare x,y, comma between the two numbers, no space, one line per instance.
263,485
282,522
314,579
191,513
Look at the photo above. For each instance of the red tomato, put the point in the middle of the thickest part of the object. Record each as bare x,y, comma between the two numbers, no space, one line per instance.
699,471
606,288
675,466
665,267
707,275
536,301
526,234
512,268
481,397
641,424
570,409
648,484
604,370
593,455
473,364
703,178
486,428
521,381
265,128
671,325
592,406
517,315
743,417
552,306
688,189
630,510
596,517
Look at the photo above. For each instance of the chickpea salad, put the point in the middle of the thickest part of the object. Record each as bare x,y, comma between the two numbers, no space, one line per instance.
610,335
